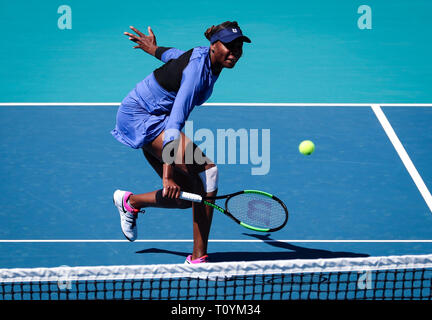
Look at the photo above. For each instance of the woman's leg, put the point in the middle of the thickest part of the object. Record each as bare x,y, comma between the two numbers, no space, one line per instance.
202,214
154,198
187,176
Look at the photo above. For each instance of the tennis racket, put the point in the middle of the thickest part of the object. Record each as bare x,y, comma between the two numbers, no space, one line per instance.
252,209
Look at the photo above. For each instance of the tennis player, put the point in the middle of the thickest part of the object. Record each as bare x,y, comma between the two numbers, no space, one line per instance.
152,116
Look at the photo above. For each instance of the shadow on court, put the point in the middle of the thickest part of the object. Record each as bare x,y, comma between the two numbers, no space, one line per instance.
289,252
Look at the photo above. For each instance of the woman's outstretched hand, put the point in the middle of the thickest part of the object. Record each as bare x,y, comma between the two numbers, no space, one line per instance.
146,43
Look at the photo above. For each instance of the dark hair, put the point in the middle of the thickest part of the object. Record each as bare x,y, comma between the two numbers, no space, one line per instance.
213,29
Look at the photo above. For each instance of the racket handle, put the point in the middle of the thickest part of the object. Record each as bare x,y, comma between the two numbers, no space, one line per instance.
190,196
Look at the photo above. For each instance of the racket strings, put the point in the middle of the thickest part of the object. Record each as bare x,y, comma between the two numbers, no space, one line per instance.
257,210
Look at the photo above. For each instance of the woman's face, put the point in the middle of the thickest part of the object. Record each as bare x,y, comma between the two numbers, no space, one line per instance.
227,54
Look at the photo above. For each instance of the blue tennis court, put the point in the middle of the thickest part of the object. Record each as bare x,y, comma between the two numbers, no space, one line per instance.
354,187
345,88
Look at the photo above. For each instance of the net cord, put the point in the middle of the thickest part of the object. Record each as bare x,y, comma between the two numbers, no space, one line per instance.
219,269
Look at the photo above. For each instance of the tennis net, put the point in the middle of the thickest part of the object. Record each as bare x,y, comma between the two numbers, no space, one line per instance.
382,278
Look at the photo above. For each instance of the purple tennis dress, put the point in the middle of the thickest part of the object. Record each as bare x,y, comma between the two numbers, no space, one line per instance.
165,98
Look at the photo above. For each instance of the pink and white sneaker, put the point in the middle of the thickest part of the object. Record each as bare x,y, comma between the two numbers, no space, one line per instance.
203,259
128,215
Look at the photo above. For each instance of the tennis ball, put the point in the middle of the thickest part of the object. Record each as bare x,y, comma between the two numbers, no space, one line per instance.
307,147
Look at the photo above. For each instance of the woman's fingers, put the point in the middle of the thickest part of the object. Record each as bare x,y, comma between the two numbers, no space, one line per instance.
144,41
137,31
171,192
132,37
177,194
150,31
167,192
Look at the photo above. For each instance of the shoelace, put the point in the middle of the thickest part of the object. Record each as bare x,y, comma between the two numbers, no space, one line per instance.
134,217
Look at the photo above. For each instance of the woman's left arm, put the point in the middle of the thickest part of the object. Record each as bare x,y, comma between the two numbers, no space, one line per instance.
183,103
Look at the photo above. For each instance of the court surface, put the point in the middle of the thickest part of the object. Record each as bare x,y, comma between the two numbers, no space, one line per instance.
354,187
362,193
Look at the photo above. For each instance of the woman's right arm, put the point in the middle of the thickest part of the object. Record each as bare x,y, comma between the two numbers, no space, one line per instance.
170,188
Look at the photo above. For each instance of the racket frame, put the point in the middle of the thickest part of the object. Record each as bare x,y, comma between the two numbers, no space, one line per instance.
205,200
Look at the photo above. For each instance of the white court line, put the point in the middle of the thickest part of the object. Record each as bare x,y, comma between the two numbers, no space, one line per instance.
211,240
213,104
403,155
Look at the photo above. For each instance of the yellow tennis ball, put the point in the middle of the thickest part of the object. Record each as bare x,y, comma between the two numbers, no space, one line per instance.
307,147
